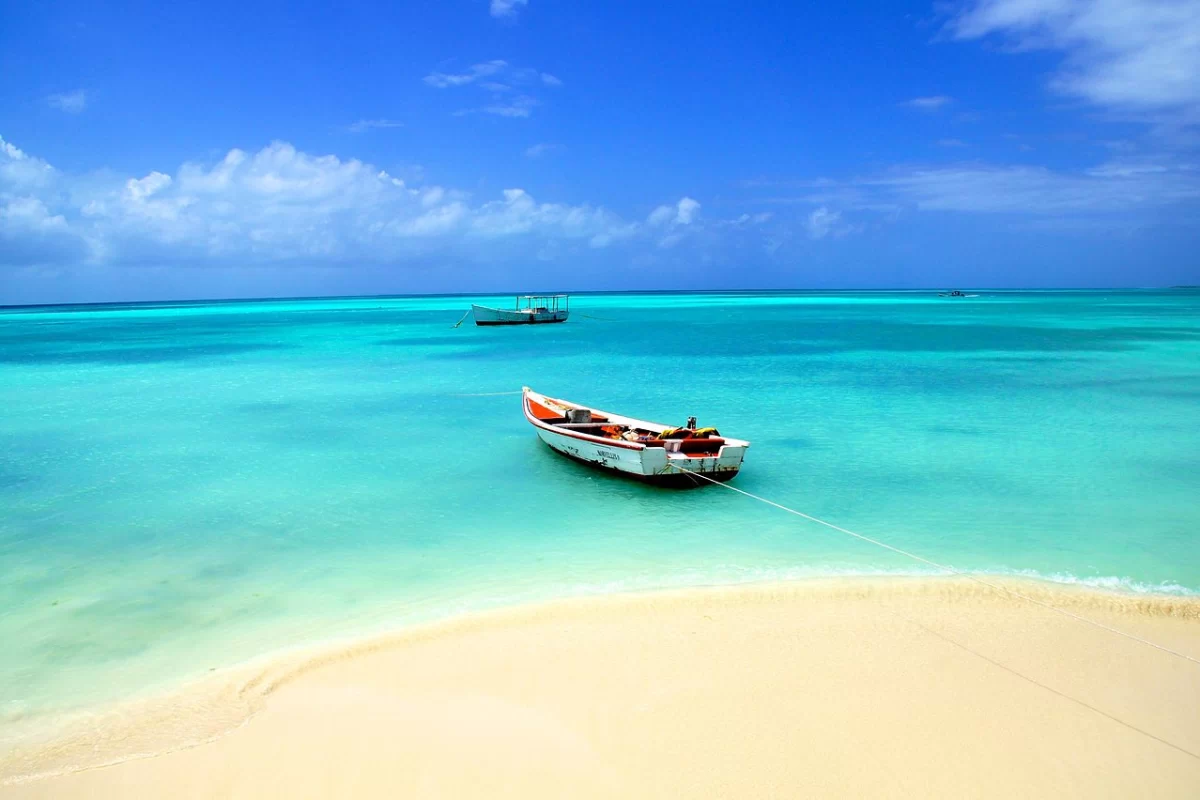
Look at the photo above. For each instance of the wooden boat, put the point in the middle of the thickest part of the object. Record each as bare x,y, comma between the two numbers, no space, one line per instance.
529,310
646,451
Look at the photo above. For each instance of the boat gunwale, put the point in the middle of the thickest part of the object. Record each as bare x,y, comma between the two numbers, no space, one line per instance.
537,423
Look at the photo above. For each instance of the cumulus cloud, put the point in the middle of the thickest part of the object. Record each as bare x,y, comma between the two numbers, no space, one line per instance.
277,206
821,222
71,102
927,103
506,8
682,213
31,214
674,221
1135,55
21,171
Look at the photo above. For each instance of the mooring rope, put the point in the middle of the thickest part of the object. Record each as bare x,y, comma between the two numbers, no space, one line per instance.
485,394
464,316
945,567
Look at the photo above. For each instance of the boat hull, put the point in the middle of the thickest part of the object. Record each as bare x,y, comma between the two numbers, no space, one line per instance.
647,464
485,316
673,479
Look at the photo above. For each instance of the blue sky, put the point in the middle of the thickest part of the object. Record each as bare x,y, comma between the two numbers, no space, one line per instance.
162,151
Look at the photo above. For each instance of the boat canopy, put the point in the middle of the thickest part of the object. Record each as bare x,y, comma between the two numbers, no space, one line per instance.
543,302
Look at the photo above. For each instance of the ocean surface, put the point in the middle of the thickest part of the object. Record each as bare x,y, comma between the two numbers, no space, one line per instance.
184,486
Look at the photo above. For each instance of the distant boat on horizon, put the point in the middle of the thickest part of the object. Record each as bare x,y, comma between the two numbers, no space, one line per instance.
955,293
532,309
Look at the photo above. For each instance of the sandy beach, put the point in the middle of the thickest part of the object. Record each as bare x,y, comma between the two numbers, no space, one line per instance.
842,688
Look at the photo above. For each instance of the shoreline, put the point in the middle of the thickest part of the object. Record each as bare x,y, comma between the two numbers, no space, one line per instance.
379,628
219,711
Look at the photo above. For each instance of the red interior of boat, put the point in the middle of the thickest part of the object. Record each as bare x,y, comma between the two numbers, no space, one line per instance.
707,446
541,412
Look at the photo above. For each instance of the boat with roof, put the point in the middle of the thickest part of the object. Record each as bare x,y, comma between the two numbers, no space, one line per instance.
530,309
650,452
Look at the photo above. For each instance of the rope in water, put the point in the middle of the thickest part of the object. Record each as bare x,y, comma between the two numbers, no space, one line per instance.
464,316
945,567
486,394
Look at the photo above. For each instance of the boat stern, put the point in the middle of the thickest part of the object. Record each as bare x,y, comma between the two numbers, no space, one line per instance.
673,468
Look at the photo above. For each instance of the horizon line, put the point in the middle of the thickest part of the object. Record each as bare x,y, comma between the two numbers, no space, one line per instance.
410,295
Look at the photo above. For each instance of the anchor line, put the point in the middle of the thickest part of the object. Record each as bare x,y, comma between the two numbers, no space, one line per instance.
949,569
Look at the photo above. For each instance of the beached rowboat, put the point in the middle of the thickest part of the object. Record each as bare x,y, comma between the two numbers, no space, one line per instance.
528,310
647,451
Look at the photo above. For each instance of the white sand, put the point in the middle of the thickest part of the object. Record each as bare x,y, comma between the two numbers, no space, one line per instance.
851,688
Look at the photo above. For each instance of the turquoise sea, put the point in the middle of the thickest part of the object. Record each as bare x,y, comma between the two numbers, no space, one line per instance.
184,486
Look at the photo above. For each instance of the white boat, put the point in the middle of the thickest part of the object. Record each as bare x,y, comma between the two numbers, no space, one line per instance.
528,310
646,451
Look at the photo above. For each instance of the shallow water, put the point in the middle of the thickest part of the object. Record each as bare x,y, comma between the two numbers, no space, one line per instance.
184,486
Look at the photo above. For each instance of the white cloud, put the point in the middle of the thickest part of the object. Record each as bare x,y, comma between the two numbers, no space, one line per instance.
821,222
675,221
11,150
438,221
1134,55
1117,187
504,79
432,195
71,102
506,8
687,211
951,143
21,171
661,215
31,214
443,80
542,148
364,125
141,189
520,107
749,220
280,205
927,103
682,213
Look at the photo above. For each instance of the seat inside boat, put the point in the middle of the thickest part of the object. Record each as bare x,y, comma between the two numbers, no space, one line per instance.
691,441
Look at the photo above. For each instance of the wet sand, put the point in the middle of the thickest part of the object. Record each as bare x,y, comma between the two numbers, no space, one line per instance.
863,687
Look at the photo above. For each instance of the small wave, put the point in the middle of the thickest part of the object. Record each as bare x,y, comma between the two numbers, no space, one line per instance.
734,574
1109,583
